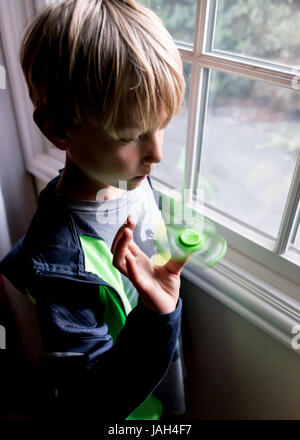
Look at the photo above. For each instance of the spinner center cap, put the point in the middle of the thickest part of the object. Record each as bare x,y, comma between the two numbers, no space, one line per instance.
190,237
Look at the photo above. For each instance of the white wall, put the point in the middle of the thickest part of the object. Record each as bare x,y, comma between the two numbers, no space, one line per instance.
235,369
16,185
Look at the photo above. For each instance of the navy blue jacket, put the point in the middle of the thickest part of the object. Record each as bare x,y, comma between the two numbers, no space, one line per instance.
111,380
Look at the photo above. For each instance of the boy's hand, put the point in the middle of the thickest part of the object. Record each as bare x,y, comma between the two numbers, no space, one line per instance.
158,286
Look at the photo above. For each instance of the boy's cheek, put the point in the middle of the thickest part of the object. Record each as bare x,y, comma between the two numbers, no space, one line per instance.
127,161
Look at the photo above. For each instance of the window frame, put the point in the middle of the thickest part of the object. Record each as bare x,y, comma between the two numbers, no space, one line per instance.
259,247
271,282
260,284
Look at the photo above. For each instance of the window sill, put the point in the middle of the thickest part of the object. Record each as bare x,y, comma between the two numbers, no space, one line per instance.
271,309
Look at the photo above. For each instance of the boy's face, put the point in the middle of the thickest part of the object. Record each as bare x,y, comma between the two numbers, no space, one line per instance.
108,160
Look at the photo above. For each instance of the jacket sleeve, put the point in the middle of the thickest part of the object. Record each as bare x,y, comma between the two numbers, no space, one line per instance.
111,380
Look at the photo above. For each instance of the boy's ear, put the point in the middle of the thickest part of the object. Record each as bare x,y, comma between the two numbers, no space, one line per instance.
50,129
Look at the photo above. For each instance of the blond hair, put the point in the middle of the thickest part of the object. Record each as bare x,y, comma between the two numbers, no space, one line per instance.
108,60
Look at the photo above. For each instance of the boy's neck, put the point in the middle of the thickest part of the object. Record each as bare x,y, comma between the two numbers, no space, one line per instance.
74,184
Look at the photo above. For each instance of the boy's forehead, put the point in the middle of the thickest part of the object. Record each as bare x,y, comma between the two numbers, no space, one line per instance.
135,126
124,129
131,128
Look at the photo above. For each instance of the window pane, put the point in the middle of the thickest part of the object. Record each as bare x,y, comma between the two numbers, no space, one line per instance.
178,17
171,169
250,145
295,239
259,29
296,246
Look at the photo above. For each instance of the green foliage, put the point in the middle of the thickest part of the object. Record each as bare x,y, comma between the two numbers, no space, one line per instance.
178,17
256,29
265,30
259,29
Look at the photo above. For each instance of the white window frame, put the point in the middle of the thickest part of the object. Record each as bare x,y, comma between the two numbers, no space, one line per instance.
260,284
274,256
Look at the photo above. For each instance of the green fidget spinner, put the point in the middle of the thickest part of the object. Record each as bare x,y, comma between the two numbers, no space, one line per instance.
199,236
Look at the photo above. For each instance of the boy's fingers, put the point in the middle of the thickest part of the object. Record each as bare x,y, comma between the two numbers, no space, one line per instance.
175,266
121,249
134,249
132,270
129,224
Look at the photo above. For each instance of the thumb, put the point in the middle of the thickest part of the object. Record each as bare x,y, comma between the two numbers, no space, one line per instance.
176,266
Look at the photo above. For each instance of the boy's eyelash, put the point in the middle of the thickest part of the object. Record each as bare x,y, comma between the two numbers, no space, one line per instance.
131,140
128,140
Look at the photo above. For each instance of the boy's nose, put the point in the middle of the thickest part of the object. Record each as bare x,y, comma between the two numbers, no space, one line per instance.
152,149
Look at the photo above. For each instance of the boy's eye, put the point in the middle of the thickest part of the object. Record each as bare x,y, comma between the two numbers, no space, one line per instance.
128,140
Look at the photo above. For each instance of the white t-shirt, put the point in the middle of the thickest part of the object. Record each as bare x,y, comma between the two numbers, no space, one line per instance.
107,216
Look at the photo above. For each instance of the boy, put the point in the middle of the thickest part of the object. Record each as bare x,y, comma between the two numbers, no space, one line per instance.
105,78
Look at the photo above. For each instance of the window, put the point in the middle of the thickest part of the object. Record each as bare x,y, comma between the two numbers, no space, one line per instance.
238,136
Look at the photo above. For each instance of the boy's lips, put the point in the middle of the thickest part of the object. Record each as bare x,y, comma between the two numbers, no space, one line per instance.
141,177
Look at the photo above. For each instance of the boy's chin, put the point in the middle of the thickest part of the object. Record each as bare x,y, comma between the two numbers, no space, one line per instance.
133,183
